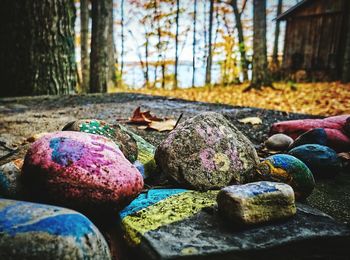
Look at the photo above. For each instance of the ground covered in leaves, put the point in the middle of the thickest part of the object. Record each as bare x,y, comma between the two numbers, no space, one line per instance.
310,98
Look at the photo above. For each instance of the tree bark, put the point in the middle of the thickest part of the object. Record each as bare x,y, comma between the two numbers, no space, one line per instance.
176,42
210,56
260,73
346,59
194,42
37,56
122,53
275,60
84,44
98,55
241,42
111,46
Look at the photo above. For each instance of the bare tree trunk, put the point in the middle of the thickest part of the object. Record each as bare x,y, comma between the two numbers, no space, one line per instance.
84,44
260,73
98,55
346,59
241,42
210,56
111,47
122,52
275,60
194,42
37,56
176,43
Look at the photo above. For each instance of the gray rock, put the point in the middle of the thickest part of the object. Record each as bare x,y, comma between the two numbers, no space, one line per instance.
278,142
10,180
256,202
37,231
206,152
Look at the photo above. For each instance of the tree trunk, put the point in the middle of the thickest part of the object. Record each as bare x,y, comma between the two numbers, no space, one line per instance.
176,42
122,53
111,46
346,59
241,42
260,74
210,56
98,55
275,60
37,56
84,44
194,42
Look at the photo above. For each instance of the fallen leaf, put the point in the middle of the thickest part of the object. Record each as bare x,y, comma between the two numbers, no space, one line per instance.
18,163
145,118
251,120
161,126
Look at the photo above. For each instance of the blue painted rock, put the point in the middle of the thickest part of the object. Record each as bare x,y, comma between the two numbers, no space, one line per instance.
206,152
314,136
321,160
80,170
256,202
125,142
10,180
278,142
37,231
287,169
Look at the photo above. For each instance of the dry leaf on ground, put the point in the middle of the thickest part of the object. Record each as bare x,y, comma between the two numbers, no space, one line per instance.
251,120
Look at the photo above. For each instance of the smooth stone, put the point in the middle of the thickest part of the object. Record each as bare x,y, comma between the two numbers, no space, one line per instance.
80,170
10,180
37,231
167,228
286,169
321,160
256,202
124,140
206,152
278,142
314,136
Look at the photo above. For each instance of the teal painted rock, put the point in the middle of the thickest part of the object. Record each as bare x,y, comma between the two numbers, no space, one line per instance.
321,160
278,142
81,171
287,169
37,231
10,180
206,152
124,140
256,202
183,224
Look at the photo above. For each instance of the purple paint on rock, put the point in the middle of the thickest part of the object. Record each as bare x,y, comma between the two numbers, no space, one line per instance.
210,135
232,153
207,159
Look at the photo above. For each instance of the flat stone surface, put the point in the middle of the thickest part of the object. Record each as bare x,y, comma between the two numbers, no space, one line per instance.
38,231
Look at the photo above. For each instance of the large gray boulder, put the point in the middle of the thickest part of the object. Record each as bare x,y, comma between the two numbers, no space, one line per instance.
206,152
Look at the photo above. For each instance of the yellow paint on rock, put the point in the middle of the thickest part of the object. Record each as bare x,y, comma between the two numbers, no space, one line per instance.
222,162
167,211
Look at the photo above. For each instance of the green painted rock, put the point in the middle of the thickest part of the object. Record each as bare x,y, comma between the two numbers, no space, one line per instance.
256,202
206,152
124,140
37,231
287,169
10,180
184,224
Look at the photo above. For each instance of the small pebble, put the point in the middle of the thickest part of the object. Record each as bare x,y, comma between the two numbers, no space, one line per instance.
278,142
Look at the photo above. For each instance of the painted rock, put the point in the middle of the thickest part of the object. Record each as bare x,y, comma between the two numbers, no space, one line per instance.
37,231
278,142
183,224
159,207
206,152
256,202
124,140
145,162
10,183
80,170
321,160
287,169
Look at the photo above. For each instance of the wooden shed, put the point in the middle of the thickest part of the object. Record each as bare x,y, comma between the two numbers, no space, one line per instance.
316,38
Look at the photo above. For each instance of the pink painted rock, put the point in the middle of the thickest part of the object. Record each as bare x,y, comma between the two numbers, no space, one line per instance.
80,170
206,152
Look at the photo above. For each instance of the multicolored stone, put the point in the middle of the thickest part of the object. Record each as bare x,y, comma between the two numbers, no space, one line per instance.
37,231
125,142
10,180
256,202
206,152
321,160
287,169
80,170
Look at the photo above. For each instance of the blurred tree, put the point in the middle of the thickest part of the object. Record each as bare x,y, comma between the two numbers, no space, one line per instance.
275,60
260,75
84,44
176,42
346,59
37,56
122,53
98,56
210,56
194,42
